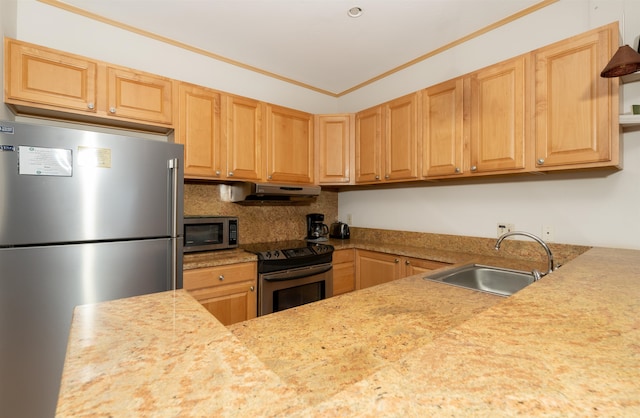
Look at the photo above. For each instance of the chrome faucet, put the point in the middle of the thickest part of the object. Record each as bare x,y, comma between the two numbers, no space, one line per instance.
536,274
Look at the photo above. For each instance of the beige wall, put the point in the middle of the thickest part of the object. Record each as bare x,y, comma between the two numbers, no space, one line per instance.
259,223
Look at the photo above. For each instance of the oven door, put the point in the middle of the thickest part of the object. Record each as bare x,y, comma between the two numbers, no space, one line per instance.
286,289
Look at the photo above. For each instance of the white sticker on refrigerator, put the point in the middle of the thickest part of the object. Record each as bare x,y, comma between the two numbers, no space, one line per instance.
94,157
38,161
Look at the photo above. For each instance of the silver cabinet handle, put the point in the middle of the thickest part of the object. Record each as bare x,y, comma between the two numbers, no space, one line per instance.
407,262
270,177
457,170
112,110
252,288
540,161
218,173
377,177
474,168
396,260
90,106
221,277
230,174
386,176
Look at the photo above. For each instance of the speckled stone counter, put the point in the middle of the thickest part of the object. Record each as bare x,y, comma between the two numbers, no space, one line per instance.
163,355
568,345
216,258
342,340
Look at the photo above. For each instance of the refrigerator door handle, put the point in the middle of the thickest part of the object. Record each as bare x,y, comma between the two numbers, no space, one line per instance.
174,173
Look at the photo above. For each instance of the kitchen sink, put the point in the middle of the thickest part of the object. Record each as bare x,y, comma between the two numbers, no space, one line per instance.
495,280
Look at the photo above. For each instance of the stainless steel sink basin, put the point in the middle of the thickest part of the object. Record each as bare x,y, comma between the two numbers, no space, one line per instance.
495,280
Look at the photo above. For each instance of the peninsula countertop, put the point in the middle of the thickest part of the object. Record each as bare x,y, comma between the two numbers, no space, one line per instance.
567,345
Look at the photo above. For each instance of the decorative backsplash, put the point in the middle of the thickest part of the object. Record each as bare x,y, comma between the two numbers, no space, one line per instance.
515,248
259,223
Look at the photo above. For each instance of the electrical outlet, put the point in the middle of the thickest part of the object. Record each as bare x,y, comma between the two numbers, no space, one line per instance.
548,233
503,228
349,219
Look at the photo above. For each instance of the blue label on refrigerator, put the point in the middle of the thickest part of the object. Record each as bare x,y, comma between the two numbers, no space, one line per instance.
8,148
6,129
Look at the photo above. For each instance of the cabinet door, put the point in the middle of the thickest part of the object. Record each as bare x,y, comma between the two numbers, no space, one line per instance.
368,145
414,266
442,129
228,292
373,268
231,303
139,96
497,116
42,76
401,139
244,133
576,109
289,153
334,136
198,129
344,275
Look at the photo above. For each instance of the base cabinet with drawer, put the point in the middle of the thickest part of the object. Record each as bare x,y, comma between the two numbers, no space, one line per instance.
344,273
374,268
229,292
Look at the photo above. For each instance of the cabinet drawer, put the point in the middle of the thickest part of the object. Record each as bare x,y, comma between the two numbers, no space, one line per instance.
220,275
343,256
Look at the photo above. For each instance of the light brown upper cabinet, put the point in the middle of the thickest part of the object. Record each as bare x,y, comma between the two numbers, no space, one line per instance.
45,82
198,129
442,129
477,124
289,151
244,133
576,110
139,96
368,145
497,99
401,138
37,75
388,141
334,142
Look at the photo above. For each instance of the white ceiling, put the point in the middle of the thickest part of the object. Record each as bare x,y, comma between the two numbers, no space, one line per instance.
311,42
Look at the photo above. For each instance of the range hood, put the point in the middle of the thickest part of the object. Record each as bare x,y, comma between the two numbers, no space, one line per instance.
268,193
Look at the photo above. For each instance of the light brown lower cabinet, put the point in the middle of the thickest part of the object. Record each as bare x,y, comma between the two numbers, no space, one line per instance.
229,292
344,274
374,268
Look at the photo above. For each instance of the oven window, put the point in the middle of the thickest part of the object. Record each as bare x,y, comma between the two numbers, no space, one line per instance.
204,234
298,295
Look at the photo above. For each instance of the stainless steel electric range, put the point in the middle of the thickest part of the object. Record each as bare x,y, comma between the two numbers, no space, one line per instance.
292,273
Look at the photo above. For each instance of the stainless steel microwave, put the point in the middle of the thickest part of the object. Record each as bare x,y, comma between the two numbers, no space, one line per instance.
207,233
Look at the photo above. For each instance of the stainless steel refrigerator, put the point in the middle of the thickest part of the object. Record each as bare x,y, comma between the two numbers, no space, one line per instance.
84,217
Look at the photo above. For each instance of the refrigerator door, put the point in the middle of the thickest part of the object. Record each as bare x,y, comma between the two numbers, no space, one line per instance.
60,185
39,288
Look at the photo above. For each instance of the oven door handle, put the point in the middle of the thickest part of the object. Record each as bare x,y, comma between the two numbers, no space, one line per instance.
296,274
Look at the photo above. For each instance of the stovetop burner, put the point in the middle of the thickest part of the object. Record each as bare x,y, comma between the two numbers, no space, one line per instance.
283,250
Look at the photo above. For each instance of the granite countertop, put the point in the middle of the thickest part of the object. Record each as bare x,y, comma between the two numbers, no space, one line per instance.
567,345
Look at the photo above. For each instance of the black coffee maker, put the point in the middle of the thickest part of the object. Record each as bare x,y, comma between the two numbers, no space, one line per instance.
316,229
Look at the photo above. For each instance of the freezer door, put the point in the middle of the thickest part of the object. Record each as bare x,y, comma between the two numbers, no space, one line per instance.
60,185
40,286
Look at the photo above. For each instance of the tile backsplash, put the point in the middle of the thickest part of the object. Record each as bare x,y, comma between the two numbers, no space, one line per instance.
259,223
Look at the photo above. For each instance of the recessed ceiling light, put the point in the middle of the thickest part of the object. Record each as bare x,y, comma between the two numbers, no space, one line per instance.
355,11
